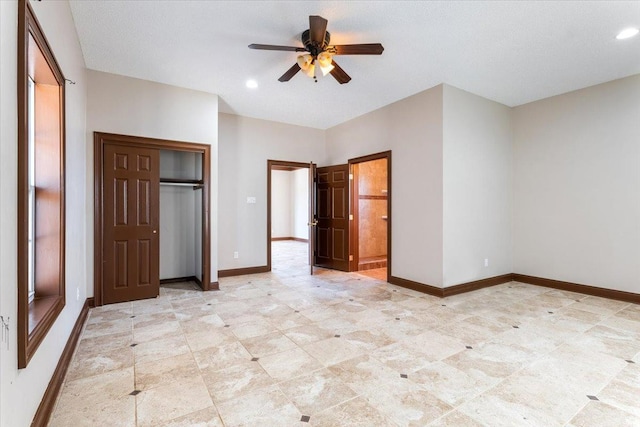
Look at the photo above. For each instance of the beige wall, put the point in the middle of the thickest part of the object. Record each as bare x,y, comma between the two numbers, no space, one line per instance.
22,390
124,105
412,129
290,203
300,203
245,146
478,187
577,186
280,204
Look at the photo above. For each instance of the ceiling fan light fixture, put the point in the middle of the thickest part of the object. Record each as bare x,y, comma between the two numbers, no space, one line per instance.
305,62
324,61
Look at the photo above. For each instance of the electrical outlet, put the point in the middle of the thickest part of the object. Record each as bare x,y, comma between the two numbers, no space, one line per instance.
486,262
77,294
236,255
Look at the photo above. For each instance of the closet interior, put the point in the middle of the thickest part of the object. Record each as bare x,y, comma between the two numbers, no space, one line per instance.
370,189
181,183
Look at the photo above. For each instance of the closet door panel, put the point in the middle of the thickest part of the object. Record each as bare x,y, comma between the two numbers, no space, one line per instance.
131,219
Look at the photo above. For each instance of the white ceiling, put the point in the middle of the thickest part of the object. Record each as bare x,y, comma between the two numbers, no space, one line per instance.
513,52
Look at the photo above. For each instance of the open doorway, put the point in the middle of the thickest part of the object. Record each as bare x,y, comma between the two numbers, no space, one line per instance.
371,210
288,213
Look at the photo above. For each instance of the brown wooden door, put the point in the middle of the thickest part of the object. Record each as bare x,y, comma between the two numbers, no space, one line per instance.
131,250
332,215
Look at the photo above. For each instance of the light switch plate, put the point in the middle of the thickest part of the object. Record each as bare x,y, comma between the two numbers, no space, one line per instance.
251,199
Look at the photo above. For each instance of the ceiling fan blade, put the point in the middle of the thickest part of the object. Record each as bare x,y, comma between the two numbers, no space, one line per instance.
274,47
317,29
339,74
358,49
290,73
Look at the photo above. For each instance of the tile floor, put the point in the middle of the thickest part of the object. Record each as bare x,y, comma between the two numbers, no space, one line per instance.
288,349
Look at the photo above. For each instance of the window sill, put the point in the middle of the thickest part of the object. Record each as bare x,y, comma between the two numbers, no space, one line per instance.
43,313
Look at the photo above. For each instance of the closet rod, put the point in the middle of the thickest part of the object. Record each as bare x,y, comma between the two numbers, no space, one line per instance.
182,184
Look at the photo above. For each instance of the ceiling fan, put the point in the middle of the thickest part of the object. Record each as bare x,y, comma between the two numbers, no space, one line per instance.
319,53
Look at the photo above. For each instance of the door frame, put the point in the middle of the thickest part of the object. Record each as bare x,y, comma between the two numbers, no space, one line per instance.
354,235
283,165
100,139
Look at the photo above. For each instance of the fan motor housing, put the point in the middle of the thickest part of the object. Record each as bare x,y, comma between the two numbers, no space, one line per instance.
311,47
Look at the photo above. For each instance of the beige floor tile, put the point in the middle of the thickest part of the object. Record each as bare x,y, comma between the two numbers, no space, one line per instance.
187,303
167,402
526,399
631,312
153,305
207,338
289,364
207,417
98,314
265,345
367,340
153,332
601,305
306,334
623,323
604,339
401,357
244,331
231,382
263,407
98,345
100,362
288,321
93,400
107,327
152,319
160,349
118,412
333,350
452,385
407,404
188,313
222,356
630,374
455,419
622,395
364,373
205,322
161,372
492,360
436,346
601,414
353,413
316,392
474,329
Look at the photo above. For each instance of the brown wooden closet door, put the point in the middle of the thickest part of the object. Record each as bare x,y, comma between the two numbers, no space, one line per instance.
131,248
332,214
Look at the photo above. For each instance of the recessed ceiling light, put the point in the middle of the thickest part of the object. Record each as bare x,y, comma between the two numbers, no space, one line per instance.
252,84
625,34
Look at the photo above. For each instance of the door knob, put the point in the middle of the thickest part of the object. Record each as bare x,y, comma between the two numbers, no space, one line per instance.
313,224
155,231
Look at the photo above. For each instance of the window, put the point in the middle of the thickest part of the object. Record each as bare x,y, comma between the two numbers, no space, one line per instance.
41,233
